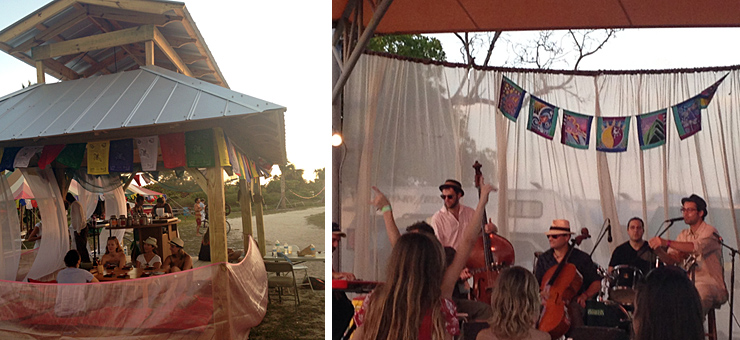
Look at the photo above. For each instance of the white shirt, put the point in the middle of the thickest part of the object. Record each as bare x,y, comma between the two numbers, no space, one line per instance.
448,228
141,259
708,254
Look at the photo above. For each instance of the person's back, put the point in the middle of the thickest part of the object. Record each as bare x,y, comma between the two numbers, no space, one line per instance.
73,274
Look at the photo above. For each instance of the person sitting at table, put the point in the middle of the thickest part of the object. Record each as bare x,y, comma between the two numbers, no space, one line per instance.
73,274
179,260
138,208
35,235
149,259
114,256
162,204
205,250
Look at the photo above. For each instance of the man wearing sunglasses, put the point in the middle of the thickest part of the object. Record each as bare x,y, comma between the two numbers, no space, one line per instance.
701,242
449,222
558,236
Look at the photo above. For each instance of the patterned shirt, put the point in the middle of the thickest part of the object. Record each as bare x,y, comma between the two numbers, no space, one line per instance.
449,313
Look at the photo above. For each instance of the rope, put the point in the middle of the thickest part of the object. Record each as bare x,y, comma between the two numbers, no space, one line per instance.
307,198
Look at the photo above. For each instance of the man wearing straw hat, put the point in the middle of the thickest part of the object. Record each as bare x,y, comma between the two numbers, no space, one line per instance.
558,235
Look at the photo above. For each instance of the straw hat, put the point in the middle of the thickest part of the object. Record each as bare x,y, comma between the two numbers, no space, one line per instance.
559,227
177,242
151,241
454,185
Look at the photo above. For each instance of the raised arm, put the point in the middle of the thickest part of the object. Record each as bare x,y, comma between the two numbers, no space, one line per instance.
465,246
381,203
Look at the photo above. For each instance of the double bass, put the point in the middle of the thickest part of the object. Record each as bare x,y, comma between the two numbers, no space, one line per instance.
564,281
490,254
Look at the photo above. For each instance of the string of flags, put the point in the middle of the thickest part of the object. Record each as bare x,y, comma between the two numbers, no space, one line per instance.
182,149
612,133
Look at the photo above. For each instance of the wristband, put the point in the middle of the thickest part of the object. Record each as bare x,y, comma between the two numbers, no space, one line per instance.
668,244
385,208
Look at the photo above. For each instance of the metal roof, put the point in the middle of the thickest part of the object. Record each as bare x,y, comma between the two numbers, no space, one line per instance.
148,101
179,45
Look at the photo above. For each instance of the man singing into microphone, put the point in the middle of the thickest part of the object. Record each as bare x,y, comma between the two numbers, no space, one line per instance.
635,252
700,242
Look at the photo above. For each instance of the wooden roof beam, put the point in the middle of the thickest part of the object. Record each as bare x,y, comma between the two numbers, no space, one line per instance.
177,42
95,42
131,16
153,7
33,19
200,44
162,43
103,64
49,32
197,73
105,26
192,58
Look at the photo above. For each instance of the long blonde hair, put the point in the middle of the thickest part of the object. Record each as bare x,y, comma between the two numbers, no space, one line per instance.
412,289
515,302
118,245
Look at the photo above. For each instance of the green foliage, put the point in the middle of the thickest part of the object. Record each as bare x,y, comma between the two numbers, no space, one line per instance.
409,45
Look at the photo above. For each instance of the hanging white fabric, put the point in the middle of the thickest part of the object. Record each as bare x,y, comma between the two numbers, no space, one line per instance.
10,235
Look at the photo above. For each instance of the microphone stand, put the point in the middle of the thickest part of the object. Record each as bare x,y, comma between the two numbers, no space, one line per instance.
601,236
666,228
733,252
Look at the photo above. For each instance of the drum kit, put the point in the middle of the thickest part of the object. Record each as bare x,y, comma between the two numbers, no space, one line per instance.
615,302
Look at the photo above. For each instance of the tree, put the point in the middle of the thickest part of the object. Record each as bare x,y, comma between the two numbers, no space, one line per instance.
414,46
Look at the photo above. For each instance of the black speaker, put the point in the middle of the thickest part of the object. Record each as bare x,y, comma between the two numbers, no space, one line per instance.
601,333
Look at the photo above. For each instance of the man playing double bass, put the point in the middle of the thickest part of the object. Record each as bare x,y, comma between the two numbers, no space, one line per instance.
558,236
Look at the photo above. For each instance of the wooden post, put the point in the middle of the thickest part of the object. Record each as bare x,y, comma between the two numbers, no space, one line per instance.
259,215
216,210
149,50
40,76
245,201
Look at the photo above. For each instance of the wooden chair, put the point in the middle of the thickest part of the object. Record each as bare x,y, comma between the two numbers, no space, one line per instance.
281,281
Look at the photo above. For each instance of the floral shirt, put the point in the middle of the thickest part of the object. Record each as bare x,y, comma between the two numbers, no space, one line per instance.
449,313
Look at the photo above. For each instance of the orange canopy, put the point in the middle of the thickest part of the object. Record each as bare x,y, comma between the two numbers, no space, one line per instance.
440,16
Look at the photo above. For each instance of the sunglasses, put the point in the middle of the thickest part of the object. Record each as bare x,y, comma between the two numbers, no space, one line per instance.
449,197
554,236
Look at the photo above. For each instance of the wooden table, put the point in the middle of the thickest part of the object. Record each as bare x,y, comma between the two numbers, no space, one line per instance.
163,232
295,258
123,274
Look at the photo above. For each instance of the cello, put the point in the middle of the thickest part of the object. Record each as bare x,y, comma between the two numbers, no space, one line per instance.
564,281
489,255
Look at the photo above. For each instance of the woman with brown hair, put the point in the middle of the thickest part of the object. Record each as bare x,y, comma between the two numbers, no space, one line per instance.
114,256
516,307
415,302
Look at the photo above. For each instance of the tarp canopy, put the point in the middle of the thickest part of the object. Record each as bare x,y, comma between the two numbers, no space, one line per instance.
443,16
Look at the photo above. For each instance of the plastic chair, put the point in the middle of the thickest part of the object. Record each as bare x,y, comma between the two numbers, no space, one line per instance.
284,281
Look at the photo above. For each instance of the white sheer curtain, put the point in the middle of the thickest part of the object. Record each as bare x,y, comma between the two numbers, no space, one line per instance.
115,203
409,126
55,243
10,234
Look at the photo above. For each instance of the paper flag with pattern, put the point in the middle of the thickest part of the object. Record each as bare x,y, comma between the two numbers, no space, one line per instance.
510,99
542,117
24,155
688,117
173,149
148,151
706,96
199,148
49,153
97,157
223,152
612,134
576,130
121,157
72,155
651,129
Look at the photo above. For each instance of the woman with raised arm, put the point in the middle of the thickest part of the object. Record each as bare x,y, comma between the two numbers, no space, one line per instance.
415,302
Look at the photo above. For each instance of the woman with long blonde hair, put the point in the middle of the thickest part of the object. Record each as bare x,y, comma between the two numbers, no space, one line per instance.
516,307
415,302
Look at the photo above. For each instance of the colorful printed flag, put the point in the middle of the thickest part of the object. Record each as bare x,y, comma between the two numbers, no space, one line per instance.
542,117
706,96
688,117
199,148
651,129
6,163
223,152
148,150
232,158
173,149
49,154
97,157
510,99
72,155
576,130
24,155
121,158
612,134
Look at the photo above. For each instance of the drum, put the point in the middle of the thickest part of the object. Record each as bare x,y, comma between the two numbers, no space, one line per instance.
624,282
608,314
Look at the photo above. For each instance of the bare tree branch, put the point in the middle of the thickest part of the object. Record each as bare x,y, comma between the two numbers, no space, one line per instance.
492,44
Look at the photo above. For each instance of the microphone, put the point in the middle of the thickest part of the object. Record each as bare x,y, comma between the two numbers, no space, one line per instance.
674,219
609,230
718,237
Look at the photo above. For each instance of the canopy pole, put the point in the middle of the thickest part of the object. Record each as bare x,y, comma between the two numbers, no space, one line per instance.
245,202
40,76
259,215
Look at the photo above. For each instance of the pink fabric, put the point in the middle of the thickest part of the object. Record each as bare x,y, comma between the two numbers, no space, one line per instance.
173,150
